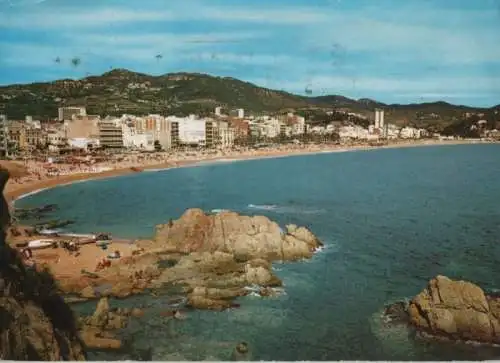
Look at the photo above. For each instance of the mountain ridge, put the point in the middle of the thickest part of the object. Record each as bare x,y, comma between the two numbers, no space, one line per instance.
121,91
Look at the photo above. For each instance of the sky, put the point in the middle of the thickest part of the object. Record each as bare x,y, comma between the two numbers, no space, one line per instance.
392,51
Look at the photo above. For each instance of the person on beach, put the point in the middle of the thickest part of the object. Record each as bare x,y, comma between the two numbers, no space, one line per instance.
28,254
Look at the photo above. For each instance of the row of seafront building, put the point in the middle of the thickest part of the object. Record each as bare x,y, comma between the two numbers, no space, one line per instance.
77,129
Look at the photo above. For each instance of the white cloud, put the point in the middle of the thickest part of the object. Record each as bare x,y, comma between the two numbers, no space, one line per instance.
294,15
157,39
367,85
396,37
42,16
79,18
243,59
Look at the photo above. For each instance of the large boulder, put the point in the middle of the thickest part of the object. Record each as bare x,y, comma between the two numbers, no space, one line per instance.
244,237
457,310
35,322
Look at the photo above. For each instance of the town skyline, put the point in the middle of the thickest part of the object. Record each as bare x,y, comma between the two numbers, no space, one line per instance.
414,53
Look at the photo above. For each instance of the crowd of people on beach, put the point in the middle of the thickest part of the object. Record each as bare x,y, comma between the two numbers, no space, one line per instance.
38,171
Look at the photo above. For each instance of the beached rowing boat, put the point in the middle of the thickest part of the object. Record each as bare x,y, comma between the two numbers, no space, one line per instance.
40,243
78,235
48,232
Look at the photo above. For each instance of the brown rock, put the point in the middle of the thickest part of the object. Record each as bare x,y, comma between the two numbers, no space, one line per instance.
100,316
200,302
218,294
242,236
456,310
460,294
96,339
88,292
122,289
116,321
137,313
494,304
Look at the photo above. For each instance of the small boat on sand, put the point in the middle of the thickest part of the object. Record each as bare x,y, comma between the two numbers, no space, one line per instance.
79,235
40,244
48,232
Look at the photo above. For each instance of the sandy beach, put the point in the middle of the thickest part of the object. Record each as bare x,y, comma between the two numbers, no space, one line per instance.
36,182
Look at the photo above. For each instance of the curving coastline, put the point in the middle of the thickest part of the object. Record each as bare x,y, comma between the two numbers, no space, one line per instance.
315,269
14,192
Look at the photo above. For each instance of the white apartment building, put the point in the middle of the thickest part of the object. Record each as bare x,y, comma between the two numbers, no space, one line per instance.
191,130
226,134
379,118
144,141
299,127
134,139
392,131
320,130
409,133
353,132
83,143
56,137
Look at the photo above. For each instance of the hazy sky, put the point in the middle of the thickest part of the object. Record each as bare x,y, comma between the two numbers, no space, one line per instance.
392,51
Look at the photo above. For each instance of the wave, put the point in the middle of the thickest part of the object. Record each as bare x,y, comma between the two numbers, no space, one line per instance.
217,211
285,209
31,193
263,206
154,170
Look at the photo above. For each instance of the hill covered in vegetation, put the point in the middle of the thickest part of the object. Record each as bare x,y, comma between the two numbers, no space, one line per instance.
122,91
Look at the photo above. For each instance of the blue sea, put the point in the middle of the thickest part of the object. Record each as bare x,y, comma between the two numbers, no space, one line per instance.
391,219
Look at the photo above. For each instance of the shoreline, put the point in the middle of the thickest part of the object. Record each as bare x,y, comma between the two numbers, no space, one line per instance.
15,193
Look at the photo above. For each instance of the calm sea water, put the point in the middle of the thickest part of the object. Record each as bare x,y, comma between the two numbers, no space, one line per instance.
391,219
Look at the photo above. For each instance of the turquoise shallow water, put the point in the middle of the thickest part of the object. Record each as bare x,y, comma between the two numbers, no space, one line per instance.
391,219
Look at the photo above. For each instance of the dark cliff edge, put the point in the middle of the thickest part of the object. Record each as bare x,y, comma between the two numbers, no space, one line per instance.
35,322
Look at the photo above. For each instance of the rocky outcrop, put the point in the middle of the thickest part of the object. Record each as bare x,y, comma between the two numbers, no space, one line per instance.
214,279
35,322
456,310
221,254
242,236
96,330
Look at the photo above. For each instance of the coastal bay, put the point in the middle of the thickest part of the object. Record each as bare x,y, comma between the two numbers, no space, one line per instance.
390,220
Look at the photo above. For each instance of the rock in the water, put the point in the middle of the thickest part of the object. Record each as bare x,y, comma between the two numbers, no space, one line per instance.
100,316
397,312
241,352
456,310
242,236
88,292
201,302
96,339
